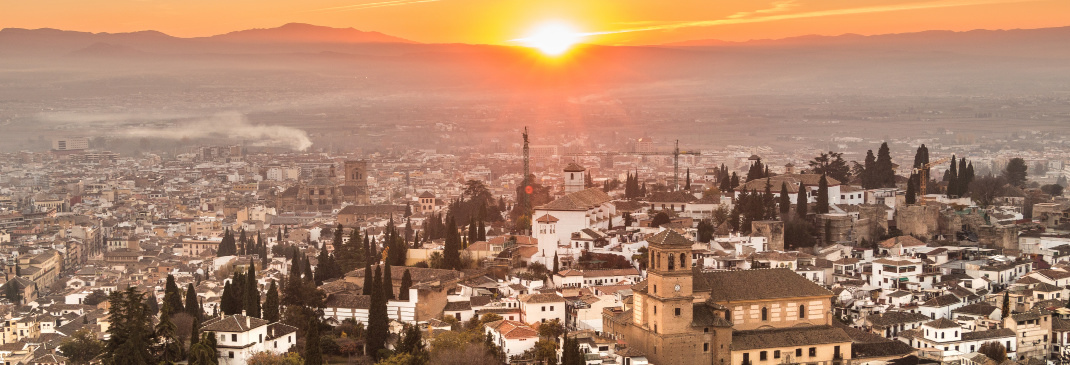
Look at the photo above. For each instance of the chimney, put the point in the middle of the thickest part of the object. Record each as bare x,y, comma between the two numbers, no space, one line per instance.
248,322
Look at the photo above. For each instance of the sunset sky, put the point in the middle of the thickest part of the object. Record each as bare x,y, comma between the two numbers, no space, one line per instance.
499,21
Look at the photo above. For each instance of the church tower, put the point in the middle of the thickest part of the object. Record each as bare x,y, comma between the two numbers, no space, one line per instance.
669,283
574,178
356,173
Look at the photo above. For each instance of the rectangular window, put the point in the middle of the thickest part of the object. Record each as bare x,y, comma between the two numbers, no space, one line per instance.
234,338
544,308
677,312
706,347
231,354
746,357
813,351
762,356
798,352
551,308
776,354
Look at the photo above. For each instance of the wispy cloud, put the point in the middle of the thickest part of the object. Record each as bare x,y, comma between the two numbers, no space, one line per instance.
778,7
759,16
380,4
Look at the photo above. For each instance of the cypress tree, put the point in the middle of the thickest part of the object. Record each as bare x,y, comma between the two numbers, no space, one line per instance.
172,295
406,284
241,243
226,301
912,197
801,202
252,293
168,350
151,305
785,200
869,170
388,282
823,195
323,269
307,266
313,353
377,318
472,235
192,307
369,280
687,180
271,303
885,175
481,231
557,263
1006,304
452,251
952,179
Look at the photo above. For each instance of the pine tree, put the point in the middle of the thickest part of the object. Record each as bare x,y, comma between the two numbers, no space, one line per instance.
204,352
192,307
167,348
406,284
313,353
801,202
271,304
822,196
785,200
131,333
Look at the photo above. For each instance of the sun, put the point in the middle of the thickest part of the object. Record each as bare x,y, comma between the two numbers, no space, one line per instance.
552,38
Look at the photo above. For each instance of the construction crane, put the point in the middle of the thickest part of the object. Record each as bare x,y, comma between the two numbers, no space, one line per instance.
923,173
675,160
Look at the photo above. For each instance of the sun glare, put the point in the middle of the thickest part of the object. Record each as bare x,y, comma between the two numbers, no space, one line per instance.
552,39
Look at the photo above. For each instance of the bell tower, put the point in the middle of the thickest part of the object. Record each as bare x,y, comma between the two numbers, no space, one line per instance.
356,173
574,178
669,283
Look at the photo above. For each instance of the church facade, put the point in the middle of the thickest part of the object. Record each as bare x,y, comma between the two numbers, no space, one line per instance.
681,315
323,194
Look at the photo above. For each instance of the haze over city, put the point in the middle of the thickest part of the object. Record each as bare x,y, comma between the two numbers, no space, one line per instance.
625,182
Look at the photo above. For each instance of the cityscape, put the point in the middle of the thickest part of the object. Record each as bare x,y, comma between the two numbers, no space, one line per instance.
790,182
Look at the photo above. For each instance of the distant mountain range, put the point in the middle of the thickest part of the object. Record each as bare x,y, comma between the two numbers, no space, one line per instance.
925,37
307,33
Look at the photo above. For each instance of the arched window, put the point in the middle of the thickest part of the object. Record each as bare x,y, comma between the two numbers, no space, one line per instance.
672,262
765,314
683,261
657,263
802,311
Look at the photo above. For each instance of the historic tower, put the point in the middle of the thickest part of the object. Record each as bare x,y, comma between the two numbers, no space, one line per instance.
669,283
356,173
574,178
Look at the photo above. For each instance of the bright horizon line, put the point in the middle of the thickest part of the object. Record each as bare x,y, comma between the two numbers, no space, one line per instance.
513,42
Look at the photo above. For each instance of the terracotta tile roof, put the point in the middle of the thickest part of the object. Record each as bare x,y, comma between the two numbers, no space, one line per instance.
942,301
233,323
787,337
892,318
546,218
942,323
350,301
580,200
726,286
512,329
541,298
981,335
669,237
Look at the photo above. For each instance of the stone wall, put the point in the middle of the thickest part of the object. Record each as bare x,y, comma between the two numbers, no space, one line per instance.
918,220
773,231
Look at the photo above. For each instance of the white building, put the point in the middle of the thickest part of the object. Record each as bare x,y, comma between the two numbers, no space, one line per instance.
555,222
352,306
541,307
948,338
513,337
239,337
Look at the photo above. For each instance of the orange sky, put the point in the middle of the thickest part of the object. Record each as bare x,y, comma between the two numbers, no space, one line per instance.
498,21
